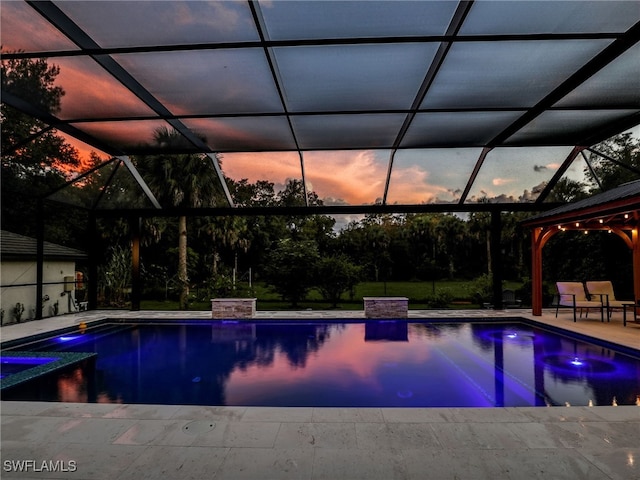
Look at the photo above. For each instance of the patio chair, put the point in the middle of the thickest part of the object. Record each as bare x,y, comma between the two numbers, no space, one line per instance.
509,299
604,291
573,295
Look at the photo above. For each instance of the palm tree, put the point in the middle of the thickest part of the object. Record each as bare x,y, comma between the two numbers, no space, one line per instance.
180,180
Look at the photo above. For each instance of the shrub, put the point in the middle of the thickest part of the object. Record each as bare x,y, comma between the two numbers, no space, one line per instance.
18,310
440,299
481,289
336,275
290,269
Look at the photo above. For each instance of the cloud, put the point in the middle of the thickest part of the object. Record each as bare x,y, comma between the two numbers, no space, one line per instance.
354,177
413,184
498,182
340,177
222,16
539,168
24,29
274,167
90,91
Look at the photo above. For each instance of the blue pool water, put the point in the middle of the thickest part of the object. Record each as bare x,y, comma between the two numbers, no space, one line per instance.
12,365
337,364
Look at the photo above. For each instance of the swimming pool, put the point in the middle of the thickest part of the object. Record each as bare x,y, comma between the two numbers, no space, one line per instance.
388,363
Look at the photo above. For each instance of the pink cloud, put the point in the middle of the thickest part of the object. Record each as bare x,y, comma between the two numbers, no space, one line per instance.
360,179
411,185
24,29
276,167
339,177
90,91
355,177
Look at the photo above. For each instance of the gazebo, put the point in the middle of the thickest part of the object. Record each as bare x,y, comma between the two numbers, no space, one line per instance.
616,211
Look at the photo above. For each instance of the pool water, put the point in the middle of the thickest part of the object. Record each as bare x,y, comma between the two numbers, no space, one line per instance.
337,364
13,365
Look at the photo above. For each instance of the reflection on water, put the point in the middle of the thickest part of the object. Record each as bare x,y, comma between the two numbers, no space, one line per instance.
392,331
372,363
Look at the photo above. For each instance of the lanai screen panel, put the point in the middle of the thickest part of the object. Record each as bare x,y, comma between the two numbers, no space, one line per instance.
392,82
274,167
361,180
516,174
432,175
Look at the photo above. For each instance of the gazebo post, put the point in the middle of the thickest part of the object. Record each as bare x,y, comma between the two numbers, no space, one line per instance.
536,271
635,241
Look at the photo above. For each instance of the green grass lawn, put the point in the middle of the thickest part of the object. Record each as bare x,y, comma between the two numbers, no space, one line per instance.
417,292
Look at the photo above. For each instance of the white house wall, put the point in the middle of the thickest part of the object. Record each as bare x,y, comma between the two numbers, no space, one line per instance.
24,272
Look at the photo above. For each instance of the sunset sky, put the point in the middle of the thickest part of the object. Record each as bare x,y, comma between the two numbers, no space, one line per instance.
418,176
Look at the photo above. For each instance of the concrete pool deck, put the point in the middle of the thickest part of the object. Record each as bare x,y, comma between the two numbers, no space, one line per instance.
115,441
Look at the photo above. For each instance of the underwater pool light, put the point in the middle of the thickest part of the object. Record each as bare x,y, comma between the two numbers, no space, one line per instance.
512,335
67,338
404,394
577,362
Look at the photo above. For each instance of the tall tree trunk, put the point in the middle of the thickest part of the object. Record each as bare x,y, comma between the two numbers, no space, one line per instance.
520,247
489,269
183,279
214,264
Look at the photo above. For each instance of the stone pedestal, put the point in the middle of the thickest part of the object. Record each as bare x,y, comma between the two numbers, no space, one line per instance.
386,307
233,307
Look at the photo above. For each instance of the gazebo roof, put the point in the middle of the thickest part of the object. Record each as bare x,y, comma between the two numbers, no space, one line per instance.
619,207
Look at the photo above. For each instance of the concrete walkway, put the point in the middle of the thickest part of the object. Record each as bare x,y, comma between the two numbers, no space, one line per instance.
112,441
